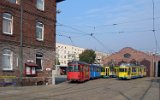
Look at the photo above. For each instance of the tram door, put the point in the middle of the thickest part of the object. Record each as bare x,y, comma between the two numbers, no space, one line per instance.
129,71
107,71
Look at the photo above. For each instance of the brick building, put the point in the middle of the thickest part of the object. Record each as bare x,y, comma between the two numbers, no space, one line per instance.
130,55
29,54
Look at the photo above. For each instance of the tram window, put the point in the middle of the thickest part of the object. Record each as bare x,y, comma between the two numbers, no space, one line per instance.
76,68
91,68
140,70
70,68
123,70
133,70
103,69
80,68
99,69
73,69
94,69
87,68
115,70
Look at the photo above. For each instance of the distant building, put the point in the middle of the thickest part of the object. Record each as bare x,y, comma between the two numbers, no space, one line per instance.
36,48
130,55
66,53
100,57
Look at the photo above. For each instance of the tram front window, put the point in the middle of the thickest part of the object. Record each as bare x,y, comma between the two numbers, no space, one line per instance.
76,68
122,70
73,68
70,68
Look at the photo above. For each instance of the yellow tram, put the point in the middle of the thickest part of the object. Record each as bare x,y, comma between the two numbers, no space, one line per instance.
110,71
142,71
130,71
105,72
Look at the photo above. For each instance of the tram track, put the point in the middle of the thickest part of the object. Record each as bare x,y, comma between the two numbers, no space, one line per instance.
103,85
39,91
155,81
65,88
143,95
124,93
120,92
75,90
146,91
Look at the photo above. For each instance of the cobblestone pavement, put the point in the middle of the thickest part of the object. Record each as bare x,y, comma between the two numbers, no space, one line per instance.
99,89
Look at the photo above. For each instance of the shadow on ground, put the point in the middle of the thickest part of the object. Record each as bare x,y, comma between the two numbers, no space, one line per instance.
60,79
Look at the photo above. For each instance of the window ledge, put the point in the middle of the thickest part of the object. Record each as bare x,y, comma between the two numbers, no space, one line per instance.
5,33
40,40
41,10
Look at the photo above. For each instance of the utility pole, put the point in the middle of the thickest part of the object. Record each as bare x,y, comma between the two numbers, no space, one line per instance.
155,63
21,42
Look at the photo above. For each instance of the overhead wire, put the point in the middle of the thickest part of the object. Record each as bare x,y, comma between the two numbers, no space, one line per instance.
69,37
107,32
140,20
73,28
115,24
86,34
110,51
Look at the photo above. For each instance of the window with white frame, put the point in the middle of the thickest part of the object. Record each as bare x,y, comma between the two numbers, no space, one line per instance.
39,57
39,31
7,24
40,4
7,59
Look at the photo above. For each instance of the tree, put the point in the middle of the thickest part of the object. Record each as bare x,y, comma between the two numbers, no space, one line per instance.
57,61
88,56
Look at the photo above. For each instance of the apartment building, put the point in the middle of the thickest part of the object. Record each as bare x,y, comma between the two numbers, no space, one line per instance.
27,40
66,53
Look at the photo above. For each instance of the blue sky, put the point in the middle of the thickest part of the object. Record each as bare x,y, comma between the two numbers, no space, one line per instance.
114,24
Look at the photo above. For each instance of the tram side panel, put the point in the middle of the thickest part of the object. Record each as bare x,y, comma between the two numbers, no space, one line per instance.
78,71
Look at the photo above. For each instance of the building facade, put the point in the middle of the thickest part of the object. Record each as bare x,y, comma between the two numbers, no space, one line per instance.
100,57
130,55
66,53
27,40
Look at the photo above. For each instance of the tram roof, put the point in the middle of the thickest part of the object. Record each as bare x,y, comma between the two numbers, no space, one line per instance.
127,64
98,65
78,62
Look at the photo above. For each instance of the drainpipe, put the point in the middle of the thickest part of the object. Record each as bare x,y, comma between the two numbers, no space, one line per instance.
21,42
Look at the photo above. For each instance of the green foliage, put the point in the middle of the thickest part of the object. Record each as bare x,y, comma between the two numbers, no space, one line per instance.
57,62
88,56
